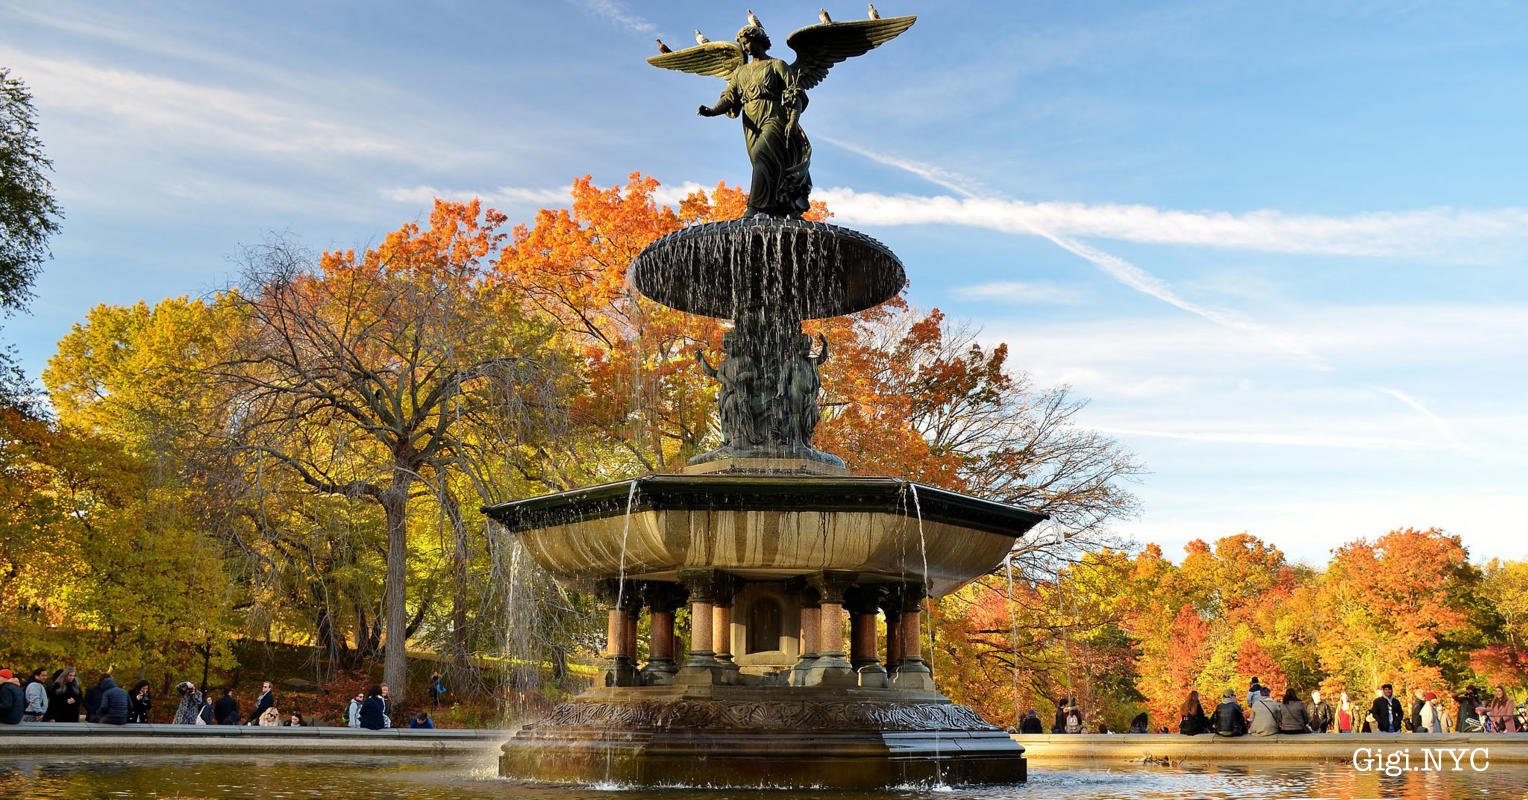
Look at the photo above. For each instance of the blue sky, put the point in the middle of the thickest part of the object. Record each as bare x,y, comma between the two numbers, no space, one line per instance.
1281,247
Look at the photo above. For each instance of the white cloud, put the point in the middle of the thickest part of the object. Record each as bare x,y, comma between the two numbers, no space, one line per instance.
166,111
1017,292
617,13
1456,235
508,195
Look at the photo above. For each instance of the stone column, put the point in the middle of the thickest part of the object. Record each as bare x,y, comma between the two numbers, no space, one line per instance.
700,664
631,606
619,666
912,674
831,668
863,603
811,629
721,625
662,599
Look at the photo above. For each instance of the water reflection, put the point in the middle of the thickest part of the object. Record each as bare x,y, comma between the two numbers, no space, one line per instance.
457,779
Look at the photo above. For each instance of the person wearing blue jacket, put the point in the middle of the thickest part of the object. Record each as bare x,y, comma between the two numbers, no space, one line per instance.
116,705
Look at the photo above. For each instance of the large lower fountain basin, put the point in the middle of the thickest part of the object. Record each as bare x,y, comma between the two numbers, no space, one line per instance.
762,737
767,528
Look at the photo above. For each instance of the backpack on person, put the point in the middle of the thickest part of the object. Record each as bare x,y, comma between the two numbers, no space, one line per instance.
1073,723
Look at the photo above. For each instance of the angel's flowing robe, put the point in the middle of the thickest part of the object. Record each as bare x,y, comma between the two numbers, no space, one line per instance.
781,155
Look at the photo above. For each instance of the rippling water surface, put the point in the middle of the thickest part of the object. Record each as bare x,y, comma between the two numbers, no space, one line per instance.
451,779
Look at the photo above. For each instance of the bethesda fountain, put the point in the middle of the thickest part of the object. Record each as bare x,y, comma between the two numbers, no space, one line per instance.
770,545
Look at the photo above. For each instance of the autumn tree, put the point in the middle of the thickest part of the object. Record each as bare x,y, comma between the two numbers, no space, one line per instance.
351,371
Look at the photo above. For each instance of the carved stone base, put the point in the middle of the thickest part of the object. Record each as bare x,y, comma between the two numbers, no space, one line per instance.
764,466
762,737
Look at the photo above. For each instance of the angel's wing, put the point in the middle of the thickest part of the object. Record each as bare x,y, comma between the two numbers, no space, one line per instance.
712,58
819,47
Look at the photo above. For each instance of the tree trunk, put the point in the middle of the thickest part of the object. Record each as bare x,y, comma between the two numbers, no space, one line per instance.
394,502
458,581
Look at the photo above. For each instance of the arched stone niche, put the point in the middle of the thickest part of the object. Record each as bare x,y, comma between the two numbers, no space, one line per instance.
766,628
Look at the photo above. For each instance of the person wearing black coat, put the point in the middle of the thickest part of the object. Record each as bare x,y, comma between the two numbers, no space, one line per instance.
1387,711
64,699
267,699
93,697
1031,723
13,701
374,710
116,706
1191,718
142,702
1229,719
226,709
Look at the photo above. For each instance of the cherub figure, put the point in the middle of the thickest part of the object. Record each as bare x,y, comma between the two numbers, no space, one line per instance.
738,375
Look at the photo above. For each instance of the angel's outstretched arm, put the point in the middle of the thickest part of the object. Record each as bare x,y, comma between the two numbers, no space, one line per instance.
727,104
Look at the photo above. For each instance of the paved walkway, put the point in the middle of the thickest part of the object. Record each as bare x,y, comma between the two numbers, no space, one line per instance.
61,738
1503,748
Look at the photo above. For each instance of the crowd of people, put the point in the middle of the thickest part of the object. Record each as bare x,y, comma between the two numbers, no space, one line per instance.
59,698
1468,711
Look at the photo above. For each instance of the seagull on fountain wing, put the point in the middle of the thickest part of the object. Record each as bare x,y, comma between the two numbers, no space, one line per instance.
753,20
822,14
873,13
700,38
663,48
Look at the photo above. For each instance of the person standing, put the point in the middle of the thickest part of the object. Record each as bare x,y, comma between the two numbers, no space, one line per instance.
190,703
13,701
1293,718
1502,712
387,705
437,689
142,701
265,702
1267,714
1229,719
64,697
207,714
1059,724
1344,713
1320,713
116,705
1191,718
1073,719
226,711
37,697
1386,711
1414,720
1430,718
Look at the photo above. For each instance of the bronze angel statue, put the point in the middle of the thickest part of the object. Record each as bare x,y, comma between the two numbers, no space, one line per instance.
770,95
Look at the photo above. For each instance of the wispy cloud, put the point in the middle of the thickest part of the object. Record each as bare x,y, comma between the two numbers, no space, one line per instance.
1017,292
1455,235
1444,428
1275,438
523,195
166,111
507,195
617,13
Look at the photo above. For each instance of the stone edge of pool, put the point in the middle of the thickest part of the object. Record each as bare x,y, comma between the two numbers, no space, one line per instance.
86,738
1504,748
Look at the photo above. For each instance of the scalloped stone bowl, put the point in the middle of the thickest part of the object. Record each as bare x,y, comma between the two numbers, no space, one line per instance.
811,269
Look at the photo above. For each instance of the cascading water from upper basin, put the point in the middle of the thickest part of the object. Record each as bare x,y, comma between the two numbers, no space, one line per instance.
771,544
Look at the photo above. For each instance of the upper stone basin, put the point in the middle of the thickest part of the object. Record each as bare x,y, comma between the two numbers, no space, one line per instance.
808,269
766,527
